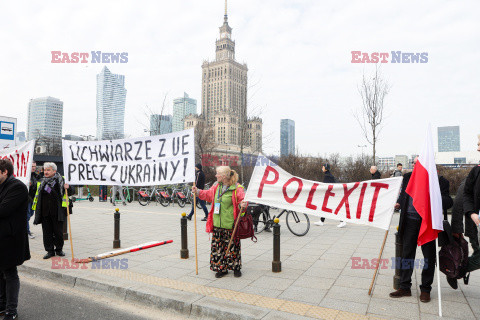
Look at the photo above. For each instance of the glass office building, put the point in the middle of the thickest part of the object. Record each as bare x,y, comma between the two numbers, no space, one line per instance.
111,95
287,137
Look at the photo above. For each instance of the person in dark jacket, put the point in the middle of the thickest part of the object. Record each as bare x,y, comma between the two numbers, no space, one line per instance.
200,184
50,206
398,172
328,178
458,231
471,209
34,178
14,249
375,173
408,230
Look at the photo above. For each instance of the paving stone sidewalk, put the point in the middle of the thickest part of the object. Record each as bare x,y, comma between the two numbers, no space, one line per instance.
317,278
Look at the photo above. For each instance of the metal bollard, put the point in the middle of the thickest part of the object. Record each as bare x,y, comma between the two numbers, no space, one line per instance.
183,227
116,232
276,263
398,257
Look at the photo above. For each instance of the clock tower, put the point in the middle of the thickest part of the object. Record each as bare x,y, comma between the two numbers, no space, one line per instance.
224,99
225,45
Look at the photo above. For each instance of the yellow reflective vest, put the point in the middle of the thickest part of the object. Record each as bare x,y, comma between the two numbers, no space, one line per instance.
35,200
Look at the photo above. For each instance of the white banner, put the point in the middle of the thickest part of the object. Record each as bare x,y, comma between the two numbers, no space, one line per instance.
368,202
145,161
22,158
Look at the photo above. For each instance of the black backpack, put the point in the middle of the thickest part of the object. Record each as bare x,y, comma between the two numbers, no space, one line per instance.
454,257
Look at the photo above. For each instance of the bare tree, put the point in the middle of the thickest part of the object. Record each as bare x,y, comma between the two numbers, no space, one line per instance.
52,146
204,140
153,127
373,90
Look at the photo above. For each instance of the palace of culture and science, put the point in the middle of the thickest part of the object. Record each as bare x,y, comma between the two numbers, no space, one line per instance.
224,100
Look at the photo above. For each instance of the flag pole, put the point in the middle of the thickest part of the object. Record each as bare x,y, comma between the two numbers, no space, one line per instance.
438,281
195,223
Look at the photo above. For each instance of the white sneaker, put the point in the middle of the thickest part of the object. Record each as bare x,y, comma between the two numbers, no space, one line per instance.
318,223
342,224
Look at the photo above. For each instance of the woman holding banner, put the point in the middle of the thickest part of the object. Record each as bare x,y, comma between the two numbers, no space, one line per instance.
226,196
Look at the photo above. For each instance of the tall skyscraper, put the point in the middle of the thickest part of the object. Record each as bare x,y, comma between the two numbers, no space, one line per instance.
182,107
448,139
111,95
160,124
224,98
287,137
45,118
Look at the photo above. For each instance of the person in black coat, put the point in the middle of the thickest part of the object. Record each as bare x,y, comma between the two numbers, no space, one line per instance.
408,230
200,184
49,209
14,249
471,209
375,173
328,178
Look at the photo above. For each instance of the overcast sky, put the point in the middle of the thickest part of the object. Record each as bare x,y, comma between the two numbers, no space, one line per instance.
298,54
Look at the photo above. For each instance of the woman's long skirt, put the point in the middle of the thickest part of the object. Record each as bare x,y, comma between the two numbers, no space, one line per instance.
218,260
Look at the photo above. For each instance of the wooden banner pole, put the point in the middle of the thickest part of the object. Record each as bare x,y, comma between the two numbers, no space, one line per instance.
69,224
379,259
195,223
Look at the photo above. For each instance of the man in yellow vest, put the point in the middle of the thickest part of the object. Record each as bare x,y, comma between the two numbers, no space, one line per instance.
50,205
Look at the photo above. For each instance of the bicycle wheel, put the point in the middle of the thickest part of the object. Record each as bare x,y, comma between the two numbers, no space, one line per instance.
163,201
181,202
260,221
297,223
143,200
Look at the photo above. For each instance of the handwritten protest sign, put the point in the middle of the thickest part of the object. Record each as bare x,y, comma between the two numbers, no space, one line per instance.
146,161
367,202
22,159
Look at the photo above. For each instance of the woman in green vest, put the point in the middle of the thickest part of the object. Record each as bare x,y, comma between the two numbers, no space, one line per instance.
226,196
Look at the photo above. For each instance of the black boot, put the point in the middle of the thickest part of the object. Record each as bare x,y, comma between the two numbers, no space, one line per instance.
49,255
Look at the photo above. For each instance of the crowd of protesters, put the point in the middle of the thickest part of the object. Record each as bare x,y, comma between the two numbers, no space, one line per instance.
46,199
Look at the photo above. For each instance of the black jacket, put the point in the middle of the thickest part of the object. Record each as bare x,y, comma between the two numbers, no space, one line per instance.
471,193
14,249
376,175
457,215
34,178
56,194
329,178
447,201
200,179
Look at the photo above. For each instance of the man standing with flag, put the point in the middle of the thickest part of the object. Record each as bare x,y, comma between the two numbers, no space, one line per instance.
421,220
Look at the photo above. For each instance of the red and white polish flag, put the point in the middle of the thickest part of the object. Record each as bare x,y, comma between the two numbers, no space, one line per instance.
424,188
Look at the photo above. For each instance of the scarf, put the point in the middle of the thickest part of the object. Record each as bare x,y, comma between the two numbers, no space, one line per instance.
49,183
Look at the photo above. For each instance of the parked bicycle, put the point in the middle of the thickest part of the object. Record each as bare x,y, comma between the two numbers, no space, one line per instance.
145,195
297,223
187,190
175,194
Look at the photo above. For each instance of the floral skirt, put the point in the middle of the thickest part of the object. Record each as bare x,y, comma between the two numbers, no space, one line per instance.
218,260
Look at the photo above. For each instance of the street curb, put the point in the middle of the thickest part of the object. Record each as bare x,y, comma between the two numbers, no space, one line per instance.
187,303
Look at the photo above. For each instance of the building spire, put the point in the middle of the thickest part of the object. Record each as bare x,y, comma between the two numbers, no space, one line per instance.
225,18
